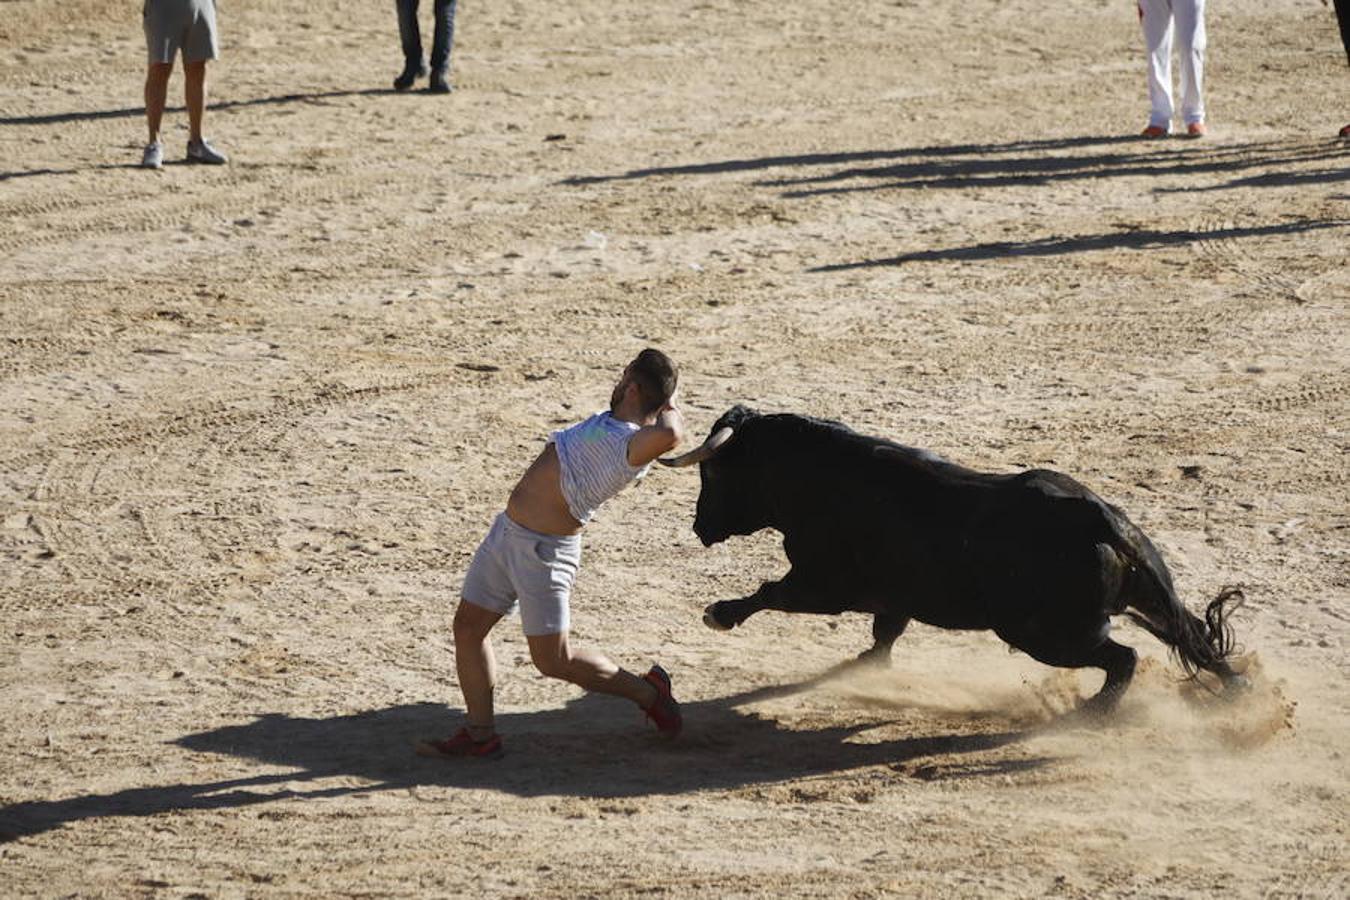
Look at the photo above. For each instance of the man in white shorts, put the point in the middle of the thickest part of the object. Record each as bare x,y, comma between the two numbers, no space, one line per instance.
172,26
530,556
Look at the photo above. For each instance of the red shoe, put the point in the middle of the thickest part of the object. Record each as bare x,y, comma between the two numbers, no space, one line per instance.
1345,132
461,745
665,712
1196,130
1154,131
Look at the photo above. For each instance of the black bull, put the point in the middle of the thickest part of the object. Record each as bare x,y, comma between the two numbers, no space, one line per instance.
872,526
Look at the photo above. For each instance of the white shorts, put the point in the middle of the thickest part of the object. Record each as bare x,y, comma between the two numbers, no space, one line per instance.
515,565
174,25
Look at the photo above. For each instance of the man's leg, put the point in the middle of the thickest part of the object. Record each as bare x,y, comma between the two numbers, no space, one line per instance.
1156,18
1191,43
156,93
553,657
476,665
411,38
444,39
1343,16
194,92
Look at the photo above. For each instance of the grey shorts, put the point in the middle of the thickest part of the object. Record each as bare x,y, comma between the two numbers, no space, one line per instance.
515,565
186,25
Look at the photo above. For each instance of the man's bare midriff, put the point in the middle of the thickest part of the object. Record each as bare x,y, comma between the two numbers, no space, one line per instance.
537,500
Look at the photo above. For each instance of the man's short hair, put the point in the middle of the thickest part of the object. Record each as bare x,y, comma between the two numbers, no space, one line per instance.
656,377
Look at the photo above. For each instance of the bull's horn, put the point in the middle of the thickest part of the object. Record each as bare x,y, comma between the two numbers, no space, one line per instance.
702,451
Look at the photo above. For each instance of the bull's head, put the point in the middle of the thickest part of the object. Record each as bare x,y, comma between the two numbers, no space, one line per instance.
728,501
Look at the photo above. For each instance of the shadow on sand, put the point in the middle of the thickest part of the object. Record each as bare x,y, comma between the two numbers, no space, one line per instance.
860,156
1138,239
1013,164
130,111
1032,163
592,748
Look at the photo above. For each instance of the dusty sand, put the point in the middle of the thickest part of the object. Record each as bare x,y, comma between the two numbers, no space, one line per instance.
254,420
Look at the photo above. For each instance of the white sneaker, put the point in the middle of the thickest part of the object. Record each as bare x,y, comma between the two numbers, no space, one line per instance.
202,152
153,157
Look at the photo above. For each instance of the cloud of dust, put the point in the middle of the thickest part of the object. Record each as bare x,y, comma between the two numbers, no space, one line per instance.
1176,772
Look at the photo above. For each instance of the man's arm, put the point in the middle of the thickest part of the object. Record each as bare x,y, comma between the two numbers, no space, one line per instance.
654,440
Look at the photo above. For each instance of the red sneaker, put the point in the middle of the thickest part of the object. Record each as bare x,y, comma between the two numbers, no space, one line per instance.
1196,130
665,712
1153,132
461,745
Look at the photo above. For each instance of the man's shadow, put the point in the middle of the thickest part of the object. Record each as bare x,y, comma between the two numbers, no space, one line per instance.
126,112
594,747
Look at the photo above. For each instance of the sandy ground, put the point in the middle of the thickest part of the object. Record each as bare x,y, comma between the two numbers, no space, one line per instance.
254,420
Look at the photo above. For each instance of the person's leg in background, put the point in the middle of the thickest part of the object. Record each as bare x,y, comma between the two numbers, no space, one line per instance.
414,67
199,150
1191,43
441,46
156,94
1156,18
194,94
1343,16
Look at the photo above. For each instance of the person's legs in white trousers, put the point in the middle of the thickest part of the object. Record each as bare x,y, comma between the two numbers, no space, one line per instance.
1160,20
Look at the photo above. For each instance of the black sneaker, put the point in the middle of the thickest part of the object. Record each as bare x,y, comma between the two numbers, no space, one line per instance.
411,72
440,83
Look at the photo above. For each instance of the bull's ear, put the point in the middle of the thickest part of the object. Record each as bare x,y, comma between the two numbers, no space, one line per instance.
738,415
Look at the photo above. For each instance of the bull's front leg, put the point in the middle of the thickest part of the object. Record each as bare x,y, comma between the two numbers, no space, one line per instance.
886,628
792,594
725,615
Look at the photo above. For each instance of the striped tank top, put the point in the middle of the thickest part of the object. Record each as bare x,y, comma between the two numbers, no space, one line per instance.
594,458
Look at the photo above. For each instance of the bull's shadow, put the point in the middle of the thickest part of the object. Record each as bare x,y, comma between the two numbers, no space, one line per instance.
594,747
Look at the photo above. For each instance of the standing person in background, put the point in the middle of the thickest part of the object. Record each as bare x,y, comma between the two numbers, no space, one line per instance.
1160,20
172,26
414,64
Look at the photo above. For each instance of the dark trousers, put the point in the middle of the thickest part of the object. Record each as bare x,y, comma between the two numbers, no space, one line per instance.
412,36
1343,13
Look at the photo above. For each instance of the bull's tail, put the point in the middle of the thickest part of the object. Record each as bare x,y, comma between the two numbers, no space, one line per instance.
1197,645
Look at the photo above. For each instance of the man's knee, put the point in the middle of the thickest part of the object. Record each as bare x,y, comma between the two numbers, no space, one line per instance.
472,623
553,665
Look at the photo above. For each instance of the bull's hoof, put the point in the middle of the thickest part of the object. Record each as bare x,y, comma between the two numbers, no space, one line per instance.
874,658
710,619
1100,706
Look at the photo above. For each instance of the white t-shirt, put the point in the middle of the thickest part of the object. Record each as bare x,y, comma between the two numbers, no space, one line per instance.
594,458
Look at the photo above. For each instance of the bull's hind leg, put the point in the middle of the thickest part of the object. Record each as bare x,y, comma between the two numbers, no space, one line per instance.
1118,661
1078,650
885,630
